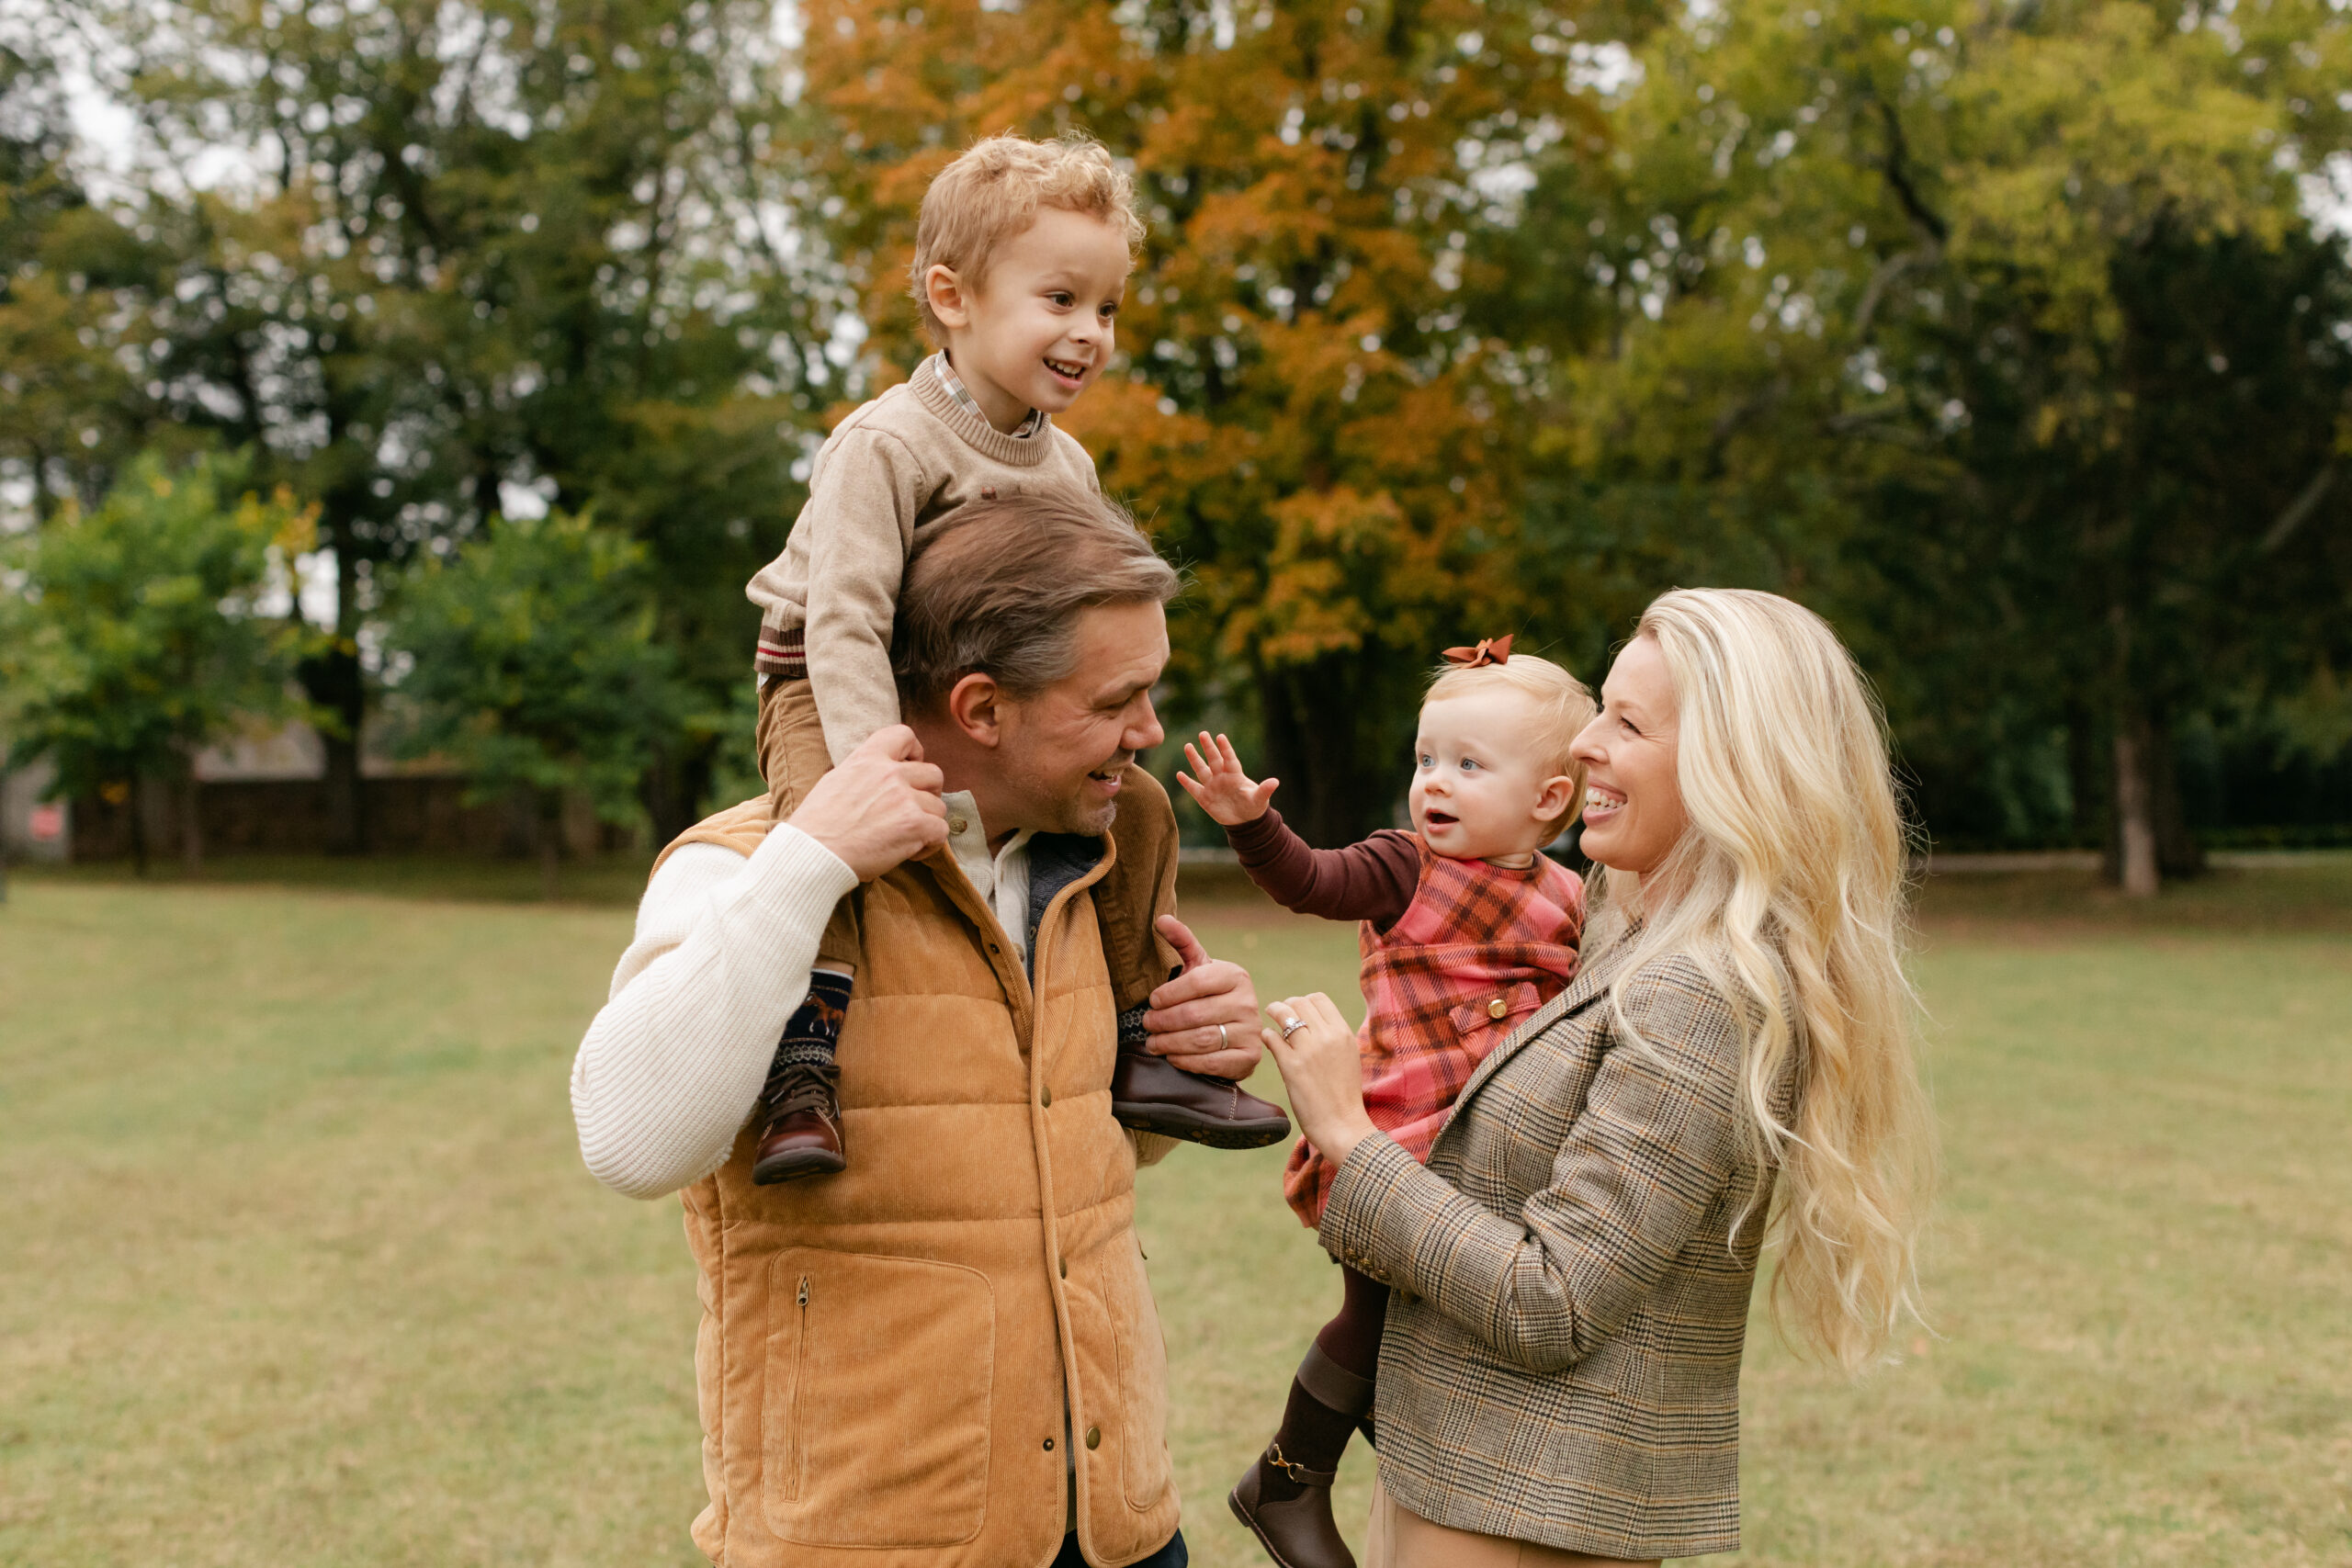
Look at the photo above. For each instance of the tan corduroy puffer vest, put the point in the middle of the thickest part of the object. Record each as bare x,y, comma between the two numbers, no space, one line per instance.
884,1353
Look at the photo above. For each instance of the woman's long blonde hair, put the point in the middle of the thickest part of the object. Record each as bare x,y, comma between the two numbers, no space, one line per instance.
1788,887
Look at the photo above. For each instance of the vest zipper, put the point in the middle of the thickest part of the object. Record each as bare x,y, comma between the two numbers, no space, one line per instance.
792,1461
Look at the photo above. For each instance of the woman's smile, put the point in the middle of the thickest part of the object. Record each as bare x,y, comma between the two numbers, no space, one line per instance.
1628,752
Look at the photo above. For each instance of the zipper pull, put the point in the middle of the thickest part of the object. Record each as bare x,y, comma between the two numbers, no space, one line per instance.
804,1290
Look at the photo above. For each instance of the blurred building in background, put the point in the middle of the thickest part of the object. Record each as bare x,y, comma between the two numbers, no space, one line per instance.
266,794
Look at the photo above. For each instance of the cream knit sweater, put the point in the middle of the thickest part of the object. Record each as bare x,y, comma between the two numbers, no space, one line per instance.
672,1066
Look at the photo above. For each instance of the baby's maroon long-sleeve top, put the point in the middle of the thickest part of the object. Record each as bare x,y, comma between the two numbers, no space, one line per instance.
1371,881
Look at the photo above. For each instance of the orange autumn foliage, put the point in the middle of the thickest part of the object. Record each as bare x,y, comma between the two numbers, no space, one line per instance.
1304,408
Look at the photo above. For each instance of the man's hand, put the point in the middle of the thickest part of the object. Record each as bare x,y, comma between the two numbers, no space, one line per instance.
881,807
1186,1012
1223,790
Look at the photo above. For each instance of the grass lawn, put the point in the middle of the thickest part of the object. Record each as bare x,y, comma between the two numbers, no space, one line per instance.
299,1265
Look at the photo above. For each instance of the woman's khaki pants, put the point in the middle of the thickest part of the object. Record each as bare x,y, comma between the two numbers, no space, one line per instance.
1402,1538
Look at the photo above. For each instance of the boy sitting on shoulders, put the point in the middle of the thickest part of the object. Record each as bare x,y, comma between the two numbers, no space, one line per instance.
1021,255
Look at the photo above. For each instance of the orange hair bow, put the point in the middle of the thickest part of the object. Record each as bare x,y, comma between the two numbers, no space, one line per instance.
1490,650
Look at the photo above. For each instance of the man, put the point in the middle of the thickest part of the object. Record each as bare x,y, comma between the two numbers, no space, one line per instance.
949,1354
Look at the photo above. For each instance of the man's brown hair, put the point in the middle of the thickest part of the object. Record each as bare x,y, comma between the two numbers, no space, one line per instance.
995,588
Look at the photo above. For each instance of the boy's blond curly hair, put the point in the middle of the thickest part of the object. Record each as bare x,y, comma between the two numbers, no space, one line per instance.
992,193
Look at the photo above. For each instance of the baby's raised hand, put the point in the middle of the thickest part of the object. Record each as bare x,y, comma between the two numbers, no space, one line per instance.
1216,781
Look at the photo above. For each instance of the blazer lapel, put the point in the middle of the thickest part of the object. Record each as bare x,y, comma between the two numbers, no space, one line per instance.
1589,985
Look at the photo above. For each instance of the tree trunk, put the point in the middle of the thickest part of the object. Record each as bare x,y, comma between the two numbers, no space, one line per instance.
2135,807
2178,854
334,681
1325,741
550,840
2086,779
137,801
673,789
191,820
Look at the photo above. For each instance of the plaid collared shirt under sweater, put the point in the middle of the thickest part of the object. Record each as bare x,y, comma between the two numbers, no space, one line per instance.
1476,951
1030,423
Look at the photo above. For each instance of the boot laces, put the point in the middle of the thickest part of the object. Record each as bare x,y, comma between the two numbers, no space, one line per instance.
802,1087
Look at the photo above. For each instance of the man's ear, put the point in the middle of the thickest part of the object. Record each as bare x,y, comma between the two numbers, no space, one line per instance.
973,707
947,298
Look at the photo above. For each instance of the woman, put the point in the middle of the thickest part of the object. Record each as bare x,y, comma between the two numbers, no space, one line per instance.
1571,1271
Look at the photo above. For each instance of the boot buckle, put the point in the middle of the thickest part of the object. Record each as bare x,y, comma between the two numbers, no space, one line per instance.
1299,1474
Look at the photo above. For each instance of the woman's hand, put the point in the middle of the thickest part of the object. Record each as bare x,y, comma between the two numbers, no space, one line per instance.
1224,790
1317,1053
1205,1020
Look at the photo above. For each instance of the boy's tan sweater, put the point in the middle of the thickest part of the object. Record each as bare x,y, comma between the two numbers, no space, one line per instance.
908,457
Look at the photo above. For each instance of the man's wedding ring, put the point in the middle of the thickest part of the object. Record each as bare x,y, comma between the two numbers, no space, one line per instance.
1292,1026
1224,1041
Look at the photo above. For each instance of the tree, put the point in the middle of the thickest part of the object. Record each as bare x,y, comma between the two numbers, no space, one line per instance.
1999,334
75,283
489,250
138,636
1312,403
537,668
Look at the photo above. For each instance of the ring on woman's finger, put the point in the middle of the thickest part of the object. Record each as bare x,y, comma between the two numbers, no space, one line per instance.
1292,1026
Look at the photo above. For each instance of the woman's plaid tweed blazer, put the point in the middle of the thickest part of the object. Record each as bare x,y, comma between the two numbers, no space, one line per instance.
1562,1358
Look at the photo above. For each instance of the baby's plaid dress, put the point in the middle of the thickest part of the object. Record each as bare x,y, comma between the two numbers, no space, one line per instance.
1478,949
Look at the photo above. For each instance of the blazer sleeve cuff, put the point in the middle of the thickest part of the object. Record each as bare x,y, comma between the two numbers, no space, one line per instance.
1375,1209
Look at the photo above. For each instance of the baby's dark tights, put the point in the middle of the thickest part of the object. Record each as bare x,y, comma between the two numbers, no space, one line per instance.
1352,1339
1313,1432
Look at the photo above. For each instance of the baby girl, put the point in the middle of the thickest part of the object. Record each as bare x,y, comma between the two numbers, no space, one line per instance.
1467,928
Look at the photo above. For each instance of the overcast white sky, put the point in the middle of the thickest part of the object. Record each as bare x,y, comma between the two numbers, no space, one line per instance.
110,136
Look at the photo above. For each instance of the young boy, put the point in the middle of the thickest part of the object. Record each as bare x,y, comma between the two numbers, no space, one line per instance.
1022,253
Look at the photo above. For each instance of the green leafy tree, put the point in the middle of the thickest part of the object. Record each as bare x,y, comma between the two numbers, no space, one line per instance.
75,283
537,668
135,634
489,245
2001,334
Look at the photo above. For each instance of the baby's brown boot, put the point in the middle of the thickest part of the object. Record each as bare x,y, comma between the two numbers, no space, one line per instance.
1286,1496
1150,1096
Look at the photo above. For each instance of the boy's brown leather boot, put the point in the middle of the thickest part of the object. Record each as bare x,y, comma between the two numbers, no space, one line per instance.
1286,1496
803,1133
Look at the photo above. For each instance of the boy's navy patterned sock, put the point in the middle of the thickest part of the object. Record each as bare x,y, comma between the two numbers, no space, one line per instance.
814,1027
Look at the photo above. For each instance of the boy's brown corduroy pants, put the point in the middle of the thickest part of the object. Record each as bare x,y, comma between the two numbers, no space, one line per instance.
1140,887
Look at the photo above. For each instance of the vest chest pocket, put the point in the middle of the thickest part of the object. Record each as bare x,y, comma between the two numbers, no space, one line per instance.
874,1419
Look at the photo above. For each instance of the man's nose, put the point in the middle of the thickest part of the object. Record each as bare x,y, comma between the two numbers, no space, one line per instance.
1144,732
